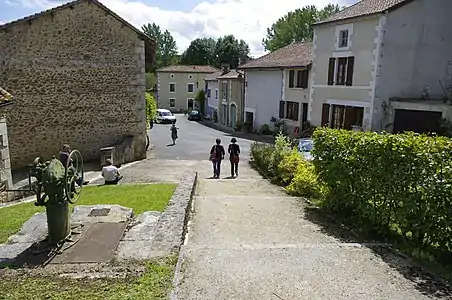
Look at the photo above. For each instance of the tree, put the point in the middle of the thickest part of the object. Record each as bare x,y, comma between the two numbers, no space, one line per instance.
151,107
296,26
232,51
201,99
200,52
166,52
150,81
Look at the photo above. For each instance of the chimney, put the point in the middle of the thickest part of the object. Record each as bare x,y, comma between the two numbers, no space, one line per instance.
225,67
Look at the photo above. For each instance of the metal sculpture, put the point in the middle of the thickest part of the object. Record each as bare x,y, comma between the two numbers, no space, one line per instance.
57,186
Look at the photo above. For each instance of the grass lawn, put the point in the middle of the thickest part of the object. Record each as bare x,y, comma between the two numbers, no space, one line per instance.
139,197
154,284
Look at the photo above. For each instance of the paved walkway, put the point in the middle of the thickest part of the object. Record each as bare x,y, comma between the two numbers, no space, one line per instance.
249,240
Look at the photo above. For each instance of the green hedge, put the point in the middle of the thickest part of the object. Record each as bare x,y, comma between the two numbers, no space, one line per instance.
285,166
399,182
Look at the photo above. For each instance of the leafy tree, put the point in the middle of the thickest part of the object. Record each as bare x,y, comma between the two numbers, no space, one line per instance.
296,26
150,81
201,99
151,107
166,52
230,50
200,52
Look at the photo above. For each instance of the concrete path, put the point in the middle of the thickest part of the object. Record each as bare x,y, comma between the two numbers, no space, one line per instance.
249,240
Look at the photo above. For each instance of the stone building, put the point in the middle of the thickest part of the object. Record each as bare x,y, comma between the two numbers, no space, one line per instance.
77,73
5,166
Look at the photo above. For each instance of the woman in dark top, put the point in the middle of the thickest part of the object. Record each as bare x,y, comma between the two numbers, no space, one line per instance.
216,156
174,133
234,153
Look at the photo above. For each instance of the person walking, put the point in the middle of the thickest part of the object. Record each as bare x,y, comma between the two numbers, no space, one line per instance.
234,157
216,156
174,133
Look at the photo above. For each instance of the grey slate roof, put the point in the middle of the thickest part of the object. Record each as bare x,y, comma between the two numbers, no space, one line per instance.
188,69
365,8
233,74
294,55
213,76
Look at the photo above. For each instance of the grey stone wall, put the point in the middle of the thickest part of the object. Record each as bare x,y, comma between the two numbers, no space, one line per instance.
78,77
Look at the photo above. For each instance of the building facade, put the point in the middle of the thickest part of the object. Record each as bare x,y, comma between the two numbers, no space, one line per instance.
177,86
6,181
231,93
211,83
383,67
277,87
77,73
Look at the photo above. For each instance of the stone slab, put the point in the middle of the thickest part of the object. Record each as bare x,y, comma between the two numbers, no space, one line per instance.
97,244
292,273
143,227
8,252
116,214
33,230
134,250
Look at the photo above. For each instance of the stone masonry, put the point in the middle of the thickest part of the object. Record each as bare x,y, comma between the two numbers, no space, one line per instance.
78,76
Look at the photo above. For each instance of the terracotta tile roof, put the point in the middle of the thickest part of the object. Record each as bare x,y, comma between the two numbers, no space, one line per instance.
294,55
213,76
5,97
365,8
72,3
188,69
233,74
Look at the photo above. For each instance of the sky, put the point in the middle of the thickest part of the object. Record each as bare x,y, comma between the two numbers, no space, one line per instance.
188,19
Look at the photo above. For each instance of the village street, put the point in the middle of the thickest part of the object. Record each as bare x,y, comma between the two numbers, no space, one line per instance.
248,240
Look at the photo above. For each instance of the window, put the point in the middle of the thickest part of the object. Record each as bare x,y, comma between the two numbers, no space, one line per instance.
281,109
292,109
216,93
172,102
302,79
209,92
190,76
340,71
291,78
190,87
343,38
225,90
190,103
172,87
344,117
171,76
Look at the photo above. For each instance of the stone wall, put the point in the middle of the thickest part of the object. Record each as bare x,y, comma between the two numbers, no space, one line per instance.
78,77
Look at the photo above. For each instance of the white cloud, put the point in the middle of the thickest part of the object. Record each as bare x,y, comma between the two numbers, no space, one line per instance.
245,19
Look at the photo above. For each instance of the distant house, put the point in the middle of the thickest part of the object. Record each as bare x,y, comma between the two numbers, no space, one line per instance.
383,65
277,86
177,86
77,73
212,93
231,93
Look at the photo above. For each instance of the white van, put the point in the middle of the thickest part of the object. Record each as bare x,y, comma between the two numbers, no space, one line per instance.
164,116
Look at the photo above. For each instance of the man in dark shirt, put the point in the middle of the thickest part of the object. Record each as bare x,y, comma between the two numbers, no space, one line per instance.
216,156
64,156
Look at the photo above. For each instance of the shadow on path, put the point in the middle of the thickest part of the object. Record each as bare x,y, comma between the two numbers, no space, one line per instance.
424,281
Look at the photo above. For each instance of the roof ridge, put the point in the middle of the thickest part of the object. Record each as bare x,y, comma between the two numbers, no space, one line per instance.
69,4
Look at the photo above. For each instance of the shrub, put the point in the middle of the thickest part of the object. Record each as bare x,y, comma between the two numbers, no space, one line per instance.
151,107
261,154
401,181
306,183
288,166
265,129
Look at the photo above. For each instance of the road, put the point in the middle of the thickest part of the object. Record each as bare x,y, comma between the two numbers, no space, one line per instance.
194,143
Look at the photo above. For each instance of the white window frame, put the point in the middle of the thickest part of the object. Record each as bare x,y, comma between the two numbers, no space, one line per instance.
338,30
209,93
169,87
193,87
169,101
342,39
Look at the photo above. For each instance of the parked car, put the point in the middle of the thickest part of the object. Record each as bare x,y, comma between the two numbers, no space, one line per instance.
164,116
305,146
194,115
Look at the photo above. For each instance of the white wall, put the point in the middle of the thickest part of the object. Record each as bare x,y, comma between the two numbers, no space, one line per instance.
211,101
262,95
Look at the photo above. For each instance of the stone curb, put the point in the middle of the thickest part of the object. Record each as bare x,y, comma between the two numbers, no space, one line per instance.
171,228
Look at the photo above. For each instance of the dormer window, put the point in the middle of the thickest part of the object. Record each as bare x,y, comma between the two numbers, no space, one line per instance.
343,38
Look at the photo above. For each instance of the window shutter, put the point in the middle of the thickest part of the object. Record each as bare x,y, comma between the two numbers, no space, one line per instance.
291,78
331,70
305,81
325,114
350,67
